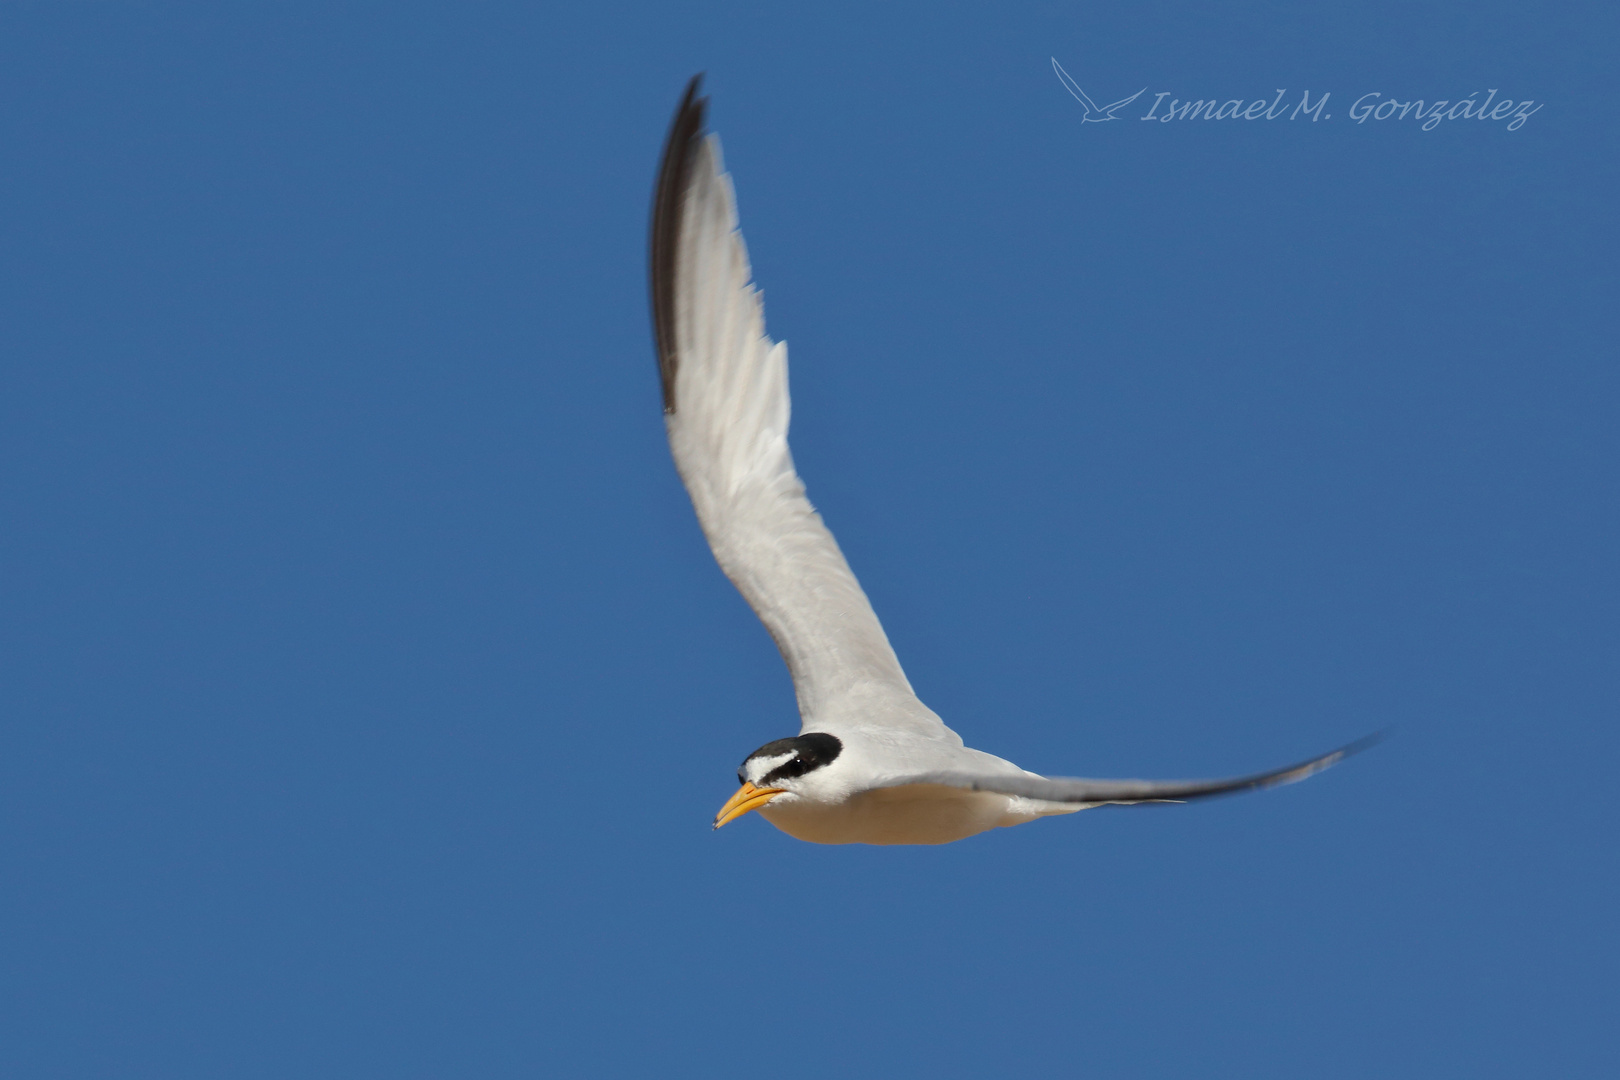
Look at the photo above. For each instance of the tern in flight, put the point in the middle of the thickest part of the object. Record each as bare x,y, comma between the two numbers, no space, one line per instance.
871,764
1093,115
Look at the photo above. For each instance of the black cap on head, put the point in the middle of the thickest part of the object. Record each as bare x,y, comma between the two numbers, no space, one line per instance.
808,752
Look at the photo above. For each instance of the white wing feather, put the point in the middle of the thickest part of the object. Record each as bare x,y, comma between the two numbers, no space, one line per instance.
727,411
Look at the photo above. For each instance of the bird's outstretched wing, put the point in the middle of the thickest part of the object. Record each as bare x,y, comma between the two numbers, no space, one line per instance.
1063,789
726,411
1074,89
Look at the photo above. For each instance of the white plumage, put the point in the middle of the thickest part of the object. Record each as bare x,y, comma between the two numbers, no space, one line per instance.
892,772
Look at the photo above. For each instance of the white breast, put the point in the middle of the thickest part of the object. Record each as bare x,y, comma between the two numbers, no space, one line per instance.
913,814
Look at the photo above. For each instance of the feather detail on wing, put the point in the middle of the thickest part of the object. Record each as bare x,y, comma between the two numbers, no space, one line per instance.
726,410
1063,789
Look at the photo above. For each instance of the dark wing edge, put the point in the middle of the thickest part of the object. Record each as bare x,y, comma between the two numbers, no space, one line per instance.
1128,792
669,198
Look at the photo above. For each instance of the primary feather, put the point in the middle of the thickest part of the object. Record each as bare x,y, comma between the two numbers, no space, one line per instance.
726,408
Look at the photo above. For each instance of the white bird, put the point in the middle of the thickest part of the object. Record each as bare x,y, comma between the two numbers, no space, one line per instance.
872,764
1094,114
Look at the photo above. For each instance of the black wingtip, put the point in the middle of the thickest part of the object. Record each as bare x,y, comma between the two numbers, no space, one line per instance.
1295,773
674,175
1292,774
1366,742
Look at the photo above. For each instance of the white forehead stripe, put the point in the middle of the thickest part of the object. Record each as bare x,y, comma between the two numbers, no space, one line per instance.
759,766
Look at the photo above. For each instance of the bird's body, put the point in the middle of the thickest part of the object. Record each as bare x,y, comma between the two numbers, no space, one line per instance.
913,814
872,763
869,792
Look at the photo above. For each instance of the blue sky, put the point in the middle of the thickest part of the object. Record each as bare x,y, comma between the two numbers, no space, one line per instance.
366,688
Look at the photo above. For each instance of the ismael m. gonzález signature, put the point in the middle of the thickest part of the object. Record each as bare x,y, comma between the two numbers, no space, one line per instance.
1374,106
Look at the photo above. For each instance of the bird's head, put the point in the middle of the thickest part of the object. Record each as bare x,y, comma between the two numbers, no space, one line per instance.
780,769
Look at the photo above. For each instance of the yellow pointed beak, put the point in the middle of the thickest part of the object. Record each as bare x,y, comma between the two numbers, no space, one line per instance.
748,798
